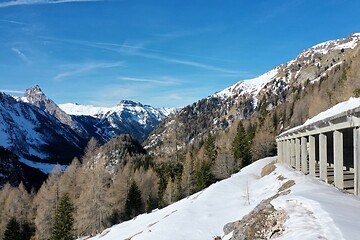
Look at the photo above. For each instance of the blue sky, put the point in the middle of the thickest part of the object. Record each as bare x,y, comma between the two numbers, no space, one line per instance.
164,53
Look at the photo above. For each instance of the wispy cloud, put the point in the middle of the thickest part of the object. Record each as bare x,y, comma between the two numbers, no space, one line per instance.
144,52
11,91
12,22
164,81
86,68
193,64
37,2
275,12
21,55
138,49
184,62
183,33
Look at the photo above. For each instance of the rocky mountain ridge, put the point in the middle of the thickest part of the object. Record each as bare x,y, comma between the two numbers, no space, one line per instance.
29,135
127,117
36,97
283,94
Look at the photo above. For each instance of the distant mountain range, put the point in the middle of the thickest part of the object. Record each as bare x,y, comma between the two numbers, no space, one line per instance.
41,134
127,117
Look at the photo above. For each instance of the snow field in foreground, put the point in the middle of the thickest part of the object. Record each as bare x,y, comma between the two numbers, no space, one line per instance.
315,209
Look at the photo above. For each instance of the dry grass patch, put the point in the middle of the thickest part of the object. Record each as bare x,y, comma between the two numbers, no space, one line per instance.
269,168
286,185
281,178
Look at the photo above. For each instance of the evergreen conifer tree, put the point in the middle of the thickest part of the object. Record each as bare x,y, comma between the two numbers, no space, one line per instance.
210,149
12,231
63,224
27,231
204,176
133,205
241,148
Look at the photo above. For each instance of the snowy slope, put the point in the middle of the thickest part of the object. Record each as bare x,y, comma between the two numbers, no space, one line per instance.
349,42
251,86
315,209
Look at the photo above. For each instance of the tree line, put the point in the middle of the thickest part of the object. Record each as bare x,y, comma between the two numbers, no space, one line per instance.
108,186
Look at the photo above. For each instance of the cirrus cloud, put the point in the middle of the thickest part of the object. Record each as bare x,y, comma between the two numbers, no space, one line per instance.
11,91
86,68
37,2
161,81
21,55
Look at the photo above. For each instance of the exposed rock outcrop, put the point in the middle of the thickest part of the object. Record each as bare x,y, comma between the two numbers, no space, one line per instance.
264,222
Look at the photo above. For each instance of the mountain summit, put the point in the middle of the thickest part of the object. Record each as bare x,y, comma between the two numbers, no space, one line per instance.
127,117
37,97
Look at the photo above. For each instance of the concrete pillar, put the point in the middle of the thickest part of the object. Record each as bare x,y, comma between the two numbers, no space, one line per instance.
288,151
283,151
356,135
304,155
278,147
338,160
323,156
297,154
312,155
292,152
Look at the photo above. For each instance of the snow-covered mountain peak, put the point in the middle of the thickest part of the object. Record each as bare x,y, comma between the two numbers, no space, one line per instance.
37,97
35,94
124,105
307,57
314,53
338,44
129,103
250,86
126,117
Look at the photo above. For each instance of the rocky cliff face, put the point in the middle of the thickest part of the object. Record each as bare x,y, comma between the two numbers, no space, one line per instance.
35,135
36,97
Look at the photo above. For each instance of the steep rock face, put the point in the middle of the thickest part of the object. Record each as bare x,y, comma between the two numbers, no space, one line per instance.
36,97
286,94
35,135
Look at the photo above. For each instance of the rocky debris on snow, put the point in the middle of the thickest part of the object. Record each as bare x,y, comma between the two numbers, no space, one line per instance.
264,222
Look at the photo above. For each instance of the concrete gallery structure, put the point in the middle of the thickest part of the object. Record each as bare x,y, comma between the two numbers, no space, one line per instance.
328,149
